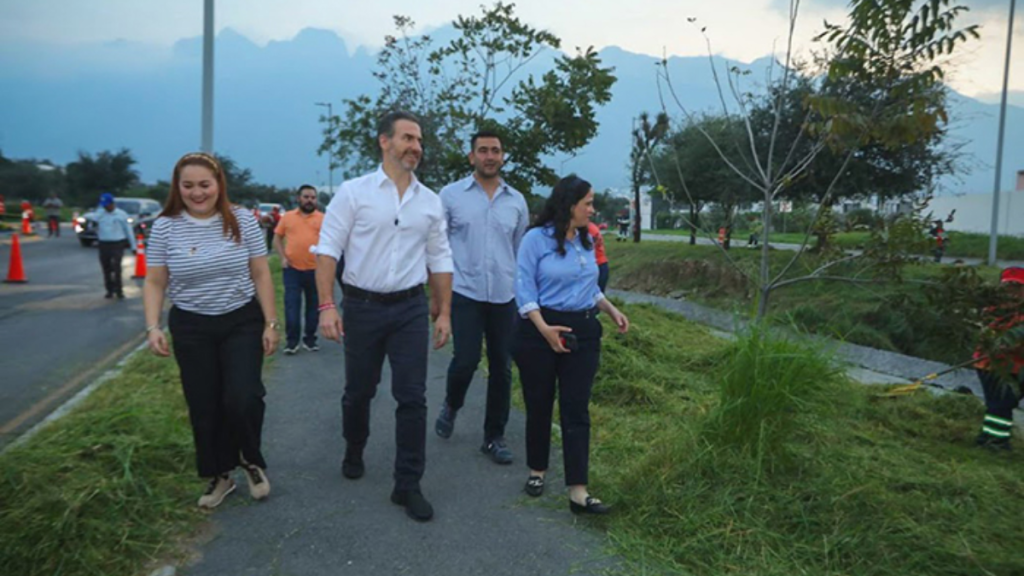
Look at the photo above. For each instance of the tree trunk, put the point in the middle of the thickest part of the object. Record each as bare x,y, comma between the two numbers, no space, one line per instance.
694,215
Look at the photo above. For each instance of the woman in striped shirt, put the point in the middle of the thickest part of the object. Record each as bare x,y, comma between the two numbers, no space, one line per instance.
211,261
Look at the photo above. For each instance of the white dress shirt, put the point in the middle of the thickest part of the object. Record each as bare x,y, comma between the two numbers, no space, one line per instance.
389,244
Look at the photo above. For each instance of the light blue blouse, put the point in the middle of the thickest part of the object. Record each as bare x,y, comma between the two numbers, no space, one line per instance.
545,278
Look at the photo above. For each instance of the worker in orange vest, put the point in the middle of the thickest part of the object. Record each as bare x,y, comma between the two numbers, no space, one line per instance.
1001,373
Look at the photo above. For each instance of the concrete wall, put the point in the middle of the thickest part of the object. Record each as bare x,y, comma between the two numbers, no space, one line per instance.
974,212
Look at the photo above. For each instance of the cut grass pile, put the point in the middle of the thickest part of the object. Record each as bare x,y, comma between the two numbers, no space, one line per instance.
833,480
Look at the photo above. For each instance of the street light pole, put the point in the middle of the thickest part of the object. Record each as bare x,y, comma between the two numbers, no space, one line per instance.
207,128
994,235
330,161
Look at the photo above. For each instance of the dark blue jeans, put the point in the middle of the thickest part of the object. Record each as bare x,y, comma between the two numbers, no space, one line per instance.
471,322
299,283
401,332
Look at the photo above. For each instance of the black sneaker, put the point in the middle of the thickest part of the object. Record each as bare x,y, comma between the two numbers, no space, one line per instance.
445,422
108,295
291,349
416,506
498,451
314,347
120,295
352,466
991,442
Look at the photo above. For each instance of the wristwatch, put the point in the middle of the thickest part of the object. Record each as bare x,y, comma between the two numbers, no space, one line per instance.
273,324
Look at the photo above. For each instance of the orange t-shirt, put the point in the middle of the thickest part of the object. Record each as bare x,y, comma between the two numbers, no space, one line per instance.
300,231
595,233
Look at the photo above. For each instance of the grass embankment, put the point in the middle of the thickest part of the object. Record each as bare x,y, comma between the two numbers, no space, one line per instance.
111,486
840,481
887,316
960,244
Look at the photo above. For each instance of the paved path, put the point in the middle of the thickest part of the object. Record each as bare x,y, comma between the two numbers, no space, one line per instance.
317,523
737,244
57,331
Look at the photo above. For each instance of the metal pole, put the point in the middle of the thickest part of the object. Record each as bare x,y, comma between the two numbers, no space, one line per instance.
207,142
994,236
330,161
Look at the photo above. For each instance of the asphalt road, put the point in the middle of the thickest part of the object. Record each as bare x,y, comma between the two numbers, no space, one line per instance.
57,331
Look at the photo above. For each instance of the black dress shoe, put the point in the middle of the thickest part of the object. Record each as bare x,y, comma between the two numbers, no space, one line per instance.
108,295
593,506
416,506
352,466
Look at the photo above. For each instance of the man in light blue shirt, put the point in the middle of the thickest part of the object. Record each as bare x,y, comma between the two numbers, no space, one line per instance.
114,233
486,222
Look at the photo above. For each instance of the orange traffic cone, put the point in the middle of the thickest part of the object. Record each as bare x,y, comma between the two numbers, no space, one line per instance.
16,272
140,257
26,225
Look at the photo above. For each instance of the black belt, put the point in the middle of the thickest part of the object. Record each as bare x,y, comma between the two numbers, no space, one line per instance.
576,314
382,297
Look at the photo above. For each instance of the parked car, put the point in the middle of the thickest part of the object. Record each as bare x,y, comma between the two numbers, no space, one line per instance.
267,207
141,214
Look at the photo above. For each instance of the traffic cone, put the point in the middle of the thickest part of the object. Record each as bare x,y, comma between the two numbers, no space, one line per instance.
16,271
26,225
140,257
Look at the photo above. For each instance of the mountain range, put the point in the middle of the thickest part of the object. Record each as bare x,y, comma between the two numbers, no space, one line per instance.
58,99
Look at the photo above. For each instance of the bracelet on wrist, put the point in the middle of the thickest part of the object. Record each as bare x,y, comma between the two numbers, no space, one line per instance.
273,324
151,328
325,306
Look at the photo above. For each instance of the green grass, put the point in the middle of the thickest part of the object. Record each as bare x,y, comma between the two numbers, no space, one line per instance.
888,316
961,244
106,488
111,486
864,485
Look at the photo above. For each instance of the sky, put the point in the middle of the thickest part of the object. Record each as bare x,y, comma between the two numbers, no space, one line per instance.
739,29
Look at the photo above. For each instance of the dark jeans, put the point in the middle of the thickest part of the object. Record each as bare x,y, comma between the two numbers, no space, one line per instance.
299,284
542,371
602,276
472,321
53,226
111,254
401,332
221,359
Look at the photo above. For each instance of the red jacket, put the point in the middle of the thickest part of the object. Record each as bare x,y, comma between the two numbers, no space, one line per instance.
1006,318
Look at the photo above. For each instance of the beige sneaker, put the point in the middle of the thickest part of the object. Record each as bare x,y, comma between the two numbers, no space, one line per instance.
219,487
259,486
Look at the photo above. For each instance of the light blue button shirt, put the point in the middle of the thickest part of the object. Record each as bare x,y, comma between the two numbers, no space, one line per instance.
548,279
113,226
484,234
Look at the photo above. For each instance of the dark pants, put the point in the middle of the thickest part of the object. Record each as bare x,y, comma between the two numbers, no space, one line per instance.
1002,395
602,276
221,359
401,332
472,321
542,371
111,254
299,285
53,226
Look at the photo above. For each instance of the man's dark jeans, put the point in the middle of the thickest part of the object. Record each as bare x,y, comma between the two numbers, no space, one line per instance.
401,332
472,321
299,284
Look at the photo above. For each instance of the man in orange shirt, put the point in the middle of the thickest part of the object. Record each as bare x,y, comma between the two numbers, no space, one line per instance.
297,232
1001,374
599,254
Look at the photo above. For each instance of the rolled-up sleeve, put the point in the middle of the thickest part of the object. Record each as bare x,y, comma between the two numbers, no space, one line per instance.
439,252
527,260
337,224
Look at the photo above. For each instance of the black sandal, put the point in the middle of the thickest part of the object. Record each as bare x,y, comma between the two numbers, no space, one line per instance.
592,506
535,486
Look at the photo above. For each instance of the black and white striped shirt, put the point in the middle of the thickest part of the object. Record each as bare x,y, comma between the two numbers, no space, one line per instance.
208,271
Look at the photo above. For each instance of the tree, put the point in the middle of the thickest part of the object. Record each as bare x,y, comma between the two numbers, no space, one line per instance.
646,136
89,176
608,207
690,170
477,81
31,180
891,48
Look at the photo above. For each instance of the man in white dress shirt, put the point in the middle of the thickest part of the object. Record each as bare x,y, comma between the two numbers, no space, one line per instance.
392,231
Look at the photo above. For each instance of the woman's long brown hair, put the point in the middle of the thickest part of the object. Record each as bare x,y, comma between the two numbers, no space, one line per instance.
175,205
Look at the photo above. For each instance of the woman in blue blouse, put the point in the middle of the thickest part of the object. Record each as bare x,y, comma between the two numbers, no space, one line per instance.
557,292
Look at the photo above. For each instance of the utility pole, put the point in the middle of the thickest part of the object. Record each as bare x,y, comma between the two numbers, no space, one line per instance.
330,161
993,240
207,128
